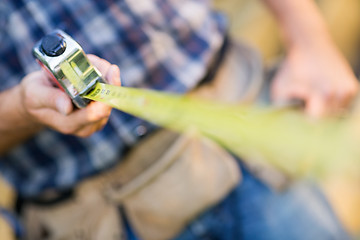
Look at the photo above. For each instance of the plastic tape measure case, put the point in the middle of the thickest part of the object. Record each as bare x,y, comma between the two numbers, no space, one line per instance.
66,63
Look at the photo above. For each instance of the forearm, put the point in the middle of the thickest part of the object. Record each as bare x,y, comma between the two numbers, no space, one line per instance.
300,22
15,127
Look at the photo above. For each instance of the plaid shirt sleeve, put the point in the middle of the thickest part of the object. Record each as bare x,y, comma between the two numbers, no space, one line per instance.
159,44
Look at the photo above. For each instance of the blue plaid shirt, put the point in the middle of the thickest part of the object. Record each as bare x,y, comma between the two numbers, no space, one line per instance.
159,44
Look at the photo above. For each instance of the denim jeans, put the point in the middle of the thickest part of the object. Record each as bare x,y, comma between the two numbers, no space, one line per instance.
253,211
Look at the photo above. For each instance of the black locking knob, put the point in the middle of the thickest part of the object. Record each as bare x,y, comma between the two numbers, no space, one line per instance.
53,45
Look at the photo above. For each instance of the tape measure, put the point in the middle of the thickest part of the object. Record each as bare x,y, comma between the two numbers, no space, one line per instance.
284,139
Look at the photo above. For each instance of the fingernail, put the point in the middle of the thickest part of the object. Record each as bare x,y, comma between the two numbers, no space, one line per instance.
61,105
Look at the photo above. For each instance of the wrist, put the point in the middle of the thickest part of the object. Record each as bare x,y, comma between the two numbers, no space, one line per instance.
301,22
312,40
15,125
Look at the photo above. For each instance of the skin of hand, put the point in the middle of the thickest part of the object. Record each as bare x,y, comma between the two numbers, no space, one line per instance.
45,105
314,70
318,75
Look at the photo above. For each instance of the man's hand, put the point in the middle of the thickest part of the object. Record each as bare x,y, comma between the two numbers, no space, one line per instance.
320,76
45,105
314,70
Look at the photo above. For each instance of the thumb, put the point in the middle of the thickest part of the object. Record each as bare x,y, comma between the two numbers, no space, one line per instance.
45,96
280,89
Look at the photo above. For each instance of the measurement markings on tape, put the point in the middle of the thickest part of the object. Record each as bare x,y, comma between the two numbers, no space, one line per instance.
284,139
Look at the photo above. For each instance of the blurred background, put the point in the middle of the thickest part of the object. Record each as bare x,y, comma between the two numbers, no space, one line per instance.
252,23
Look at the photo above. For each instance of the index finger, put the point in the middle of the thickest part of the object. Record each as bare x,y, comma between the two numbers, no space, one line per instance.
111,72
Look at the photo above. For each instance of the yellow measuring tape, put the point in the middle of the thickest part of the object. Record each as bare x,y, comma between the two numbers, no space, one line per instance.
284,139
72,75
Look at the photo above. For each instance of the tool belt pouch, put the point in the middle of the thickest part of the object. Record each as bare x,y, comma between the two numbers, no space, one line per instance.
87,215
193,174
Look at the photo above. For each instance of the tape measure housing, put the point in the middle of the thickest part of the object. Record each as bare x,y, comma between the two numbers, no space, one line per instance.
65,62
